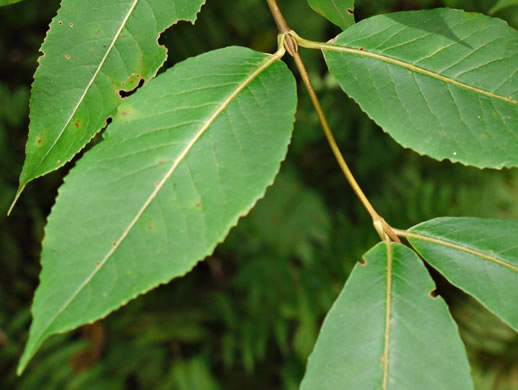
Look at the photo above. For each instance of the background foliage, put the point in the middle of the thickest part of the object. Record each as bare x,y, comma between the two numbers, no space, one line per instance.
249,316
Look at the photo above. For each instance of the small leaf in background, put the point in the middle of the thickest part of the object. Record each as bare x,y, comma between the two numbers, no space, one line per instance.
94,51
3,3
501,5
185,157
441,82
340,12
479,256
386,331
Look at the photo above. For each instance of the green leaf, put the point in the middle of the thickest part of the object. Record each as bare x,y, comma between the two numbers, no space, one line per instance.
94,50
3,3
480,256
386,331
501,5
184,158
441,82
339,12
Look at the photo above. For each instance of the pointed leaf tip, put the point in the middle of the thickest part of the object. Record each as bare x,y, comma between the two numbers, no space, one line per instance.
91,54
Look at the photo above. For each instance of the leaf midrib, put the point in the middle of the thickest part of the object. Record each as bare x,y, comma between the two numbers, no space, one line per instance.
414,68
91,82
162,182
474,252
388,314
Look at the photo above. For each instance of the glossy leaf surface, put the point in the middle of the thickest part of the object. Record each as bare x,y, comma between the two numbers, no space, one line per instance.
339,12
441,82
93,50
480,256
385,331
185,157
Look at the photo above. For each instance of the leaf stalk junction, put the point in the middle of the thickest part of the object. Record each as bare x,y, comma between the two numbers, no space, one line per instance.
290,41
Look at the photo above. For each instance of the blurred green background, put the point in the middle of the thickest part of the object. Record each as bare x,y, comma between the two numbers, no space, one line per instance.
248,316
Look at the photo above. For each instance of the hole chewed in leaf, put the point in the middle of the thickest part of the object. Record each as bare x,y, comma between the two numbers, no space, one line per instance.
363,261
124,94
350,11
434,294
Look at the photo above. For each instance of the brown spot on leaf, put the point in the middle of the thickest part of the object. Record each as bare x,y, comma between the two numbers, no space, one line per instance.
59,161
362,48
124,113
198,205
161,162
156,184
150,227
60,22
67,56
114,243
77,124
71,25
39,140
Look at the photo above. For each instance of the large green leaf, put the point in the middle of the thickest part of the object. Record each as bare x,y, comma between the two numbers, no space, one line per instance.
340,12
480,256
442,82
184,158
386,331
94,49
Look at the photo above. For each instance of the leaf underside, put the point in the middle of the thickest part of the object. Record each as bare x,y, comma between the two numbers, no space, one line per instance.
184,158
93,50
441,82
480,256
417,348
339,12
